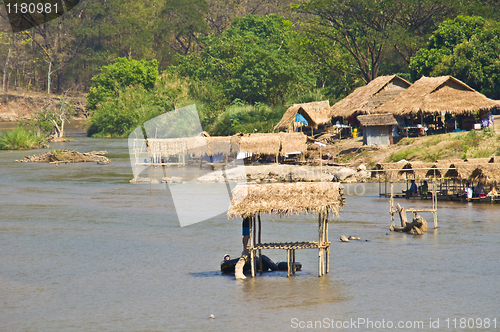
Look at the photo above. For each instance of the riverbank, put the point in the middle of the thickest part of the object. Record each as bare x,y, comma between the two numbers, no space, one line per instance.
20,105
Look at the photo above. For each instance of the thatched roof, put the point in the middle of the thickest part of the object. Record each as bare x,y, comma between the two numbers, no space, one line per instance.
316,113
436,95
488,173
458,170
293,142
260,143
377,120
173,146
286,198
198,146
272,144
392,171
367,98
214,145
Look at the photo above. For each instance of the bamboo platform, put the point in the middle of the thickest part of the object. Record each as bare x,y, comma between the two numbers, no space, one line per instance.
323,246
289,245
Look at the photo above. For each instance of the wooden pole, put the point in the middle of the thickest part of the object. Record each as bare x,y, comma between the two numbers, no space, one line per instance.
391,205
328,248
260,225
319,245
320,162
252,240
288,262
293,264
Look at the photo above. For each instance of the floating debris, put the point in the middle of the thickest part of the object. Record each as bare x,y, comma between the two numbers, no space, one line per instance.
344,238
67,156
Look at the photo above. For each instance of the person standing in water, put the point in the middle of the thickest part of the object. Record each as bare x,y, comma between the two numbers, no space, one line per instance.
246,232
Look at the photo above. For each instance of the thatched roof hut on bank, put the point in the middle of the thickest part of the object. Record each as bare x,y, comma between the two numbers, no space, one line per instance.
366,99
377,128
315,114
440,99
275,144
284,199
213,145
266,144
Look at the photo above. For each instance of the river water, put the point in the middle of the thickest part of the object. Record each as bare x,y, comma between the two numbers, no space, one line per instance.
82,249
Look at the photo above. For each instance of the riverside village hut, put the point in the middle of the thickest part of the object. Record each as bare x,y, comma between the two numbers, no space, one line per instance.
377,128
439,103
278,146
311,116
366,99
321,198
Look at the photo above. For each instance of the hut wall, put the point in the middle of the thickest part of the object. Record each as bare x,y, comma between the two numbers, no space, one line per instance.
377,135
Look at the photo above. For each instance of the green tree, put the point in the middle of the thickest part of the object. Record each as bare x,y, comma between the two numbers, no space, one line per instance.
466,48
252,60
120,75
366,30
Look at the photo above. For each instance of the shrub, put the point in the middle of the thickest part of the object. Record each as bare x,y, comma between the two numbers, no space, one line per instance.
19,139
247,118
120,75
119,116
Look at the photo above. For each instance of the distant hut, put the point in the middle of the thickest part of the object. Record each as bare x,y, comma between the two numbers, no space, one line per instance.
309,115
272,144
377,128
293,145
439,99
260,144
323,198
366,99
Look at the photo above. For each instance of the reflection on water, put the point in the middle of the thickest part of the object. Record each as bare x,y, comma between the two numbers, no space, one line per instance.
83,249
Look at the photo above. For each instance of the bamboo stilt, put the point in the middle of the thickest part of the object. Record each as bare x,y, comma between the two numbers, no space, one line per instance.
260,262
319,245
252,244
288,262
260,226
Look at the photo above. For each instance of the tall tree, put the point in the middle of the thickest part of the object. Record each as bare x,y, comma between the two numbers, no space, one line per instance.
252,60
367,29
466,48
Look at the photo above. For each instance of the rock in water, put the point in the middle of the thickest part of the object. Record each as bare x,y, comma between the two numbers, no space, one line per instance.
238,270
344,238
353,238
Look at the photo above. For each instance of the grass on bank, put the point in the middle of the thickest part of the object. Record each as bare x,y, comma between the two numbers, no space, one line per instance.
20,139
473,144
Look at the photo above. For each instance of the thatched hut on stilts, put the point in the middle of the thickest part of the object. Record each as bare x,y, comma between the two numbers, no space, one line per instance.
284,199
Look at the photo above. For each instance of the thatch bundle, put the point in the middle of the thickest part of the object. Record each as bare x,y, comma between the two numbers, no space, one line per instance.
436,95
372,120
286,198
366,99
316,113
